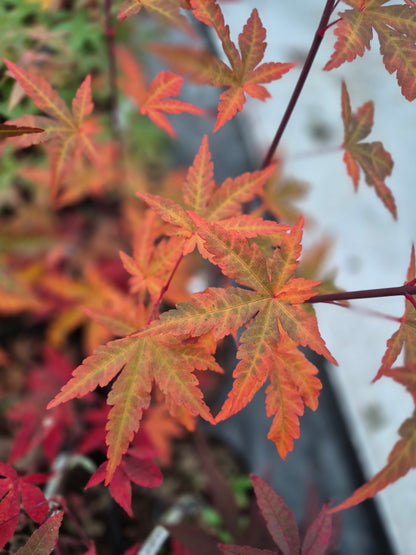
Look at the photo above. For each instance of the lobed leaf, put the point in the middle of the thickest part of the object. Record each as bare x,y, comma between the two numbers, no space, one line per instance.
400,461
42,94
405,336
395,26
199,185
245,75
374,160
237,259
167,11
69,132
141,361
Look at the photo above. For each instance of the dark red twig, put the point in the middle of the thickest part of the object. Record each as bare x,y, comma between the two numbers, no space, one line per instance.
323,24
407,290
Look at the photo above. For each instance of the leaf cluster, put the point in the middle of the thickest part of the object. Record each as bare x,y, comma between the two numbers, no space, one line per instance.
100,247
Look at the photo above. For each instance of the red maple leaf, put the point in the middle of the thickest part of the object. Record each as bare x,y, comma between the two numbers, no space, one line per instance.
13,489
37,425
134,467
283,528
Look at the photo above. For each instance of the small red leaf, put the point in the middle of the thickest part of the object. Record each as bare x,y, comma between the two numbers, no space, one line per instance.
318,534
279,519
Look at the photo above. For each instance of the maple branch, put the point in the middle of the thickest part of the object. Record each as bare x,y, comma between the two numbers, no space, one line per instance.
323,25
408,289
112,70
74,521
312,153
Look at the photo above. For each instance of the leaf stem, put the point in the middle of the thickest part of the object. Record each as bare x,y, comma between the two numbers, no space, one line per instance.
164,289
323,25
407,290
367,311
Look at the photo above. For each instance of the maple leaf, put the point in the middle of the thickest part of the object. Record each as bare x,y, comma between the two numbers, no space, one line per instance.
279,194
16,295
405,337
154,101
87,302
14,488
83,181
70,132
153,259
43,540
245,74
283,528
396,30
134,467
166,360
403,455
374,160
37,426
161,428
222,204
270,304
401,459
166,10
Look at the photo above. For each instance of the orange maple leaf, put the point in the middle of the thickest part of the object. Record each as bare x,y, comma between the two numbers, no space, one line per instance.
70,132
245,74
403,455
93,302
166,10
165,359
153,260
223,204
405,337
16,294
269,304
401,459
153,102
396,30
374,160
